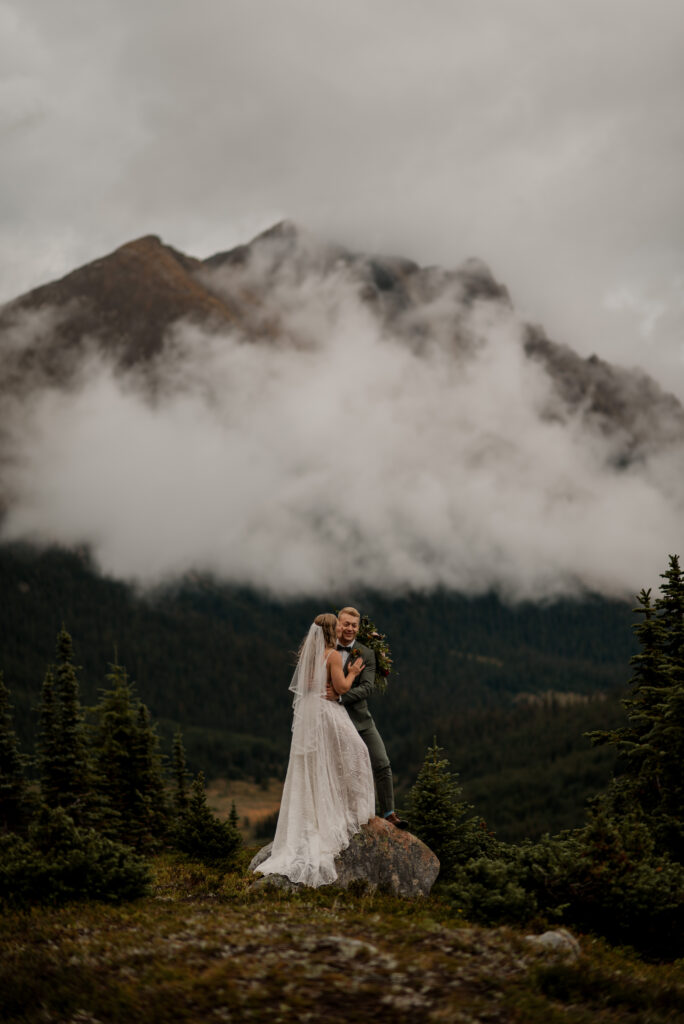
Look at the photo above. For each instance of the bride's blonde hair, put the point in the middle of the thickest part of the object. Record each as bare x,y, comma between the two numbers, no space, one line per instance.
328,623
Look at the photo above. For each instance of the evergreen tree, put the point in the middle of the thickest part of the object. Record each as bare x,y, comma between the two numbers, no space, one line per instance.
201,834
647,681
651,746
13,789
441,818
233,817
67,767
128,764
671,607
150,769
180,773
48,742
662,766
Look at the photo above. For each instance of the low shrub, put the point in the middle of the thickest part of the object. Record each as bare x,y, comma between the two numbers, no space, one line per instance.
58,862
607,878
490,892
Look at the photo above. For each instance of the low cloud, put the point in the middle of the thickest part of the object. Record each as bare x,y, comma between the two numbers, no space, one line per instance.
334,455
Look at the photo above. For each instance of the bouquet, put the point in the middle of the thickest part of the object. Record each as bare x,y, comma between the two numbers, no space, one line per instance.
370,637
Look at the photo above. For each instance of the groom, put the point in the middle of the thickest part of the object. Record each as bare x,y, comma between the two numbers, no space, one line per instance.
355,701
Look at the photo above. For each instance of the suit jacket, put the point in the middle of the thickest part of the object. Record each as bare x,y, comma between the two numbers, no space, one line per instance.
355,699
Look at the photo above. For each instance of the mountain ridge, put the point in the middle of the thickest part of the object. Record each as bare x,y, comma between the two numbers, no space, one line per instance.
236,361
125,303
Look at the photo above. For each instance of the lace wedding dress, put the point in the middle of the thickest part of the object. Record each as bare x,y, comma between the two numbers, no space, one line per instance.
328,793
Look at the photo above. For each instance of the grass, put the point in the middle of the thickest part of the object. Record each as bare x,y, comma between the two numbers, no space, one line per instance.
204,947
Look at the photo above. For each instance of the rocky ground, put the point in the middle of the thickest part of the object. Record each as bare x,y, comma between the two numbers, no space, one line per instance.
207,947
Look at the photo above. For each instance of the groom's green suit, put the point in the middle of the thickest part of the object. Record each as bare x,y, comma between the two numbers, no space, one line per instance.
355,701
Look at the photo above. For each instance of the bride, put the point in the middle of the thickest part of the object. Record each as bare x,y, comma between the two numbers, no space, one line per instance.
328,793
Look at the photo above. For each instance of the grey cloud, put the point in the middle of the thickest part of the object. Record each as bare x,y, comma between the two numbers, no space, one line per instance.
543,137
342,455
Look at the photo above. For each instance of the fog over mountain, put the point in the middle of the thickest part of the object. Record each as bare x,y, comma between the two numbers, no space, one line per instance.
305,419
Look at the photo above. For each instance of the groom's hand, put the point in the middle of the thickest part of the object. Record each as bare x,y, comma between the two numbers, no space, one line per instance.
330,693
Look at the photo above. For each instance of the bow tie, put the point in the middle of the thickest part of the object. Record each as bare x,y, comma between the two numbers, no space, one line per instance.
341,648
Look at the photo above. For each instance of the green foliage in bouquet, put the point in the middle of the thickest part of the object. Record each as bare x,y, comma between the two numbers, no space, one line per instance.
370,637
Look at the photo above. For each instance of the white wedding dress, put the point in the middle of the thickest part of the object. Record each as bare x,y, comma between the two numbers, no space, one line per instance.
328,793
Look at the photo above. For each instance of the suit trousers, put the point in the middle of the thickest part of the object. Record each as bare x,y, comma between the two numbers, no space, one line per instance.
382,770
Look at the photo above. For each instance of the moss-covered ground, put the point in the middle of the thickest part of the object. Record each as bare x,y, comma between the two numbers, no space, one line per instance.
205,947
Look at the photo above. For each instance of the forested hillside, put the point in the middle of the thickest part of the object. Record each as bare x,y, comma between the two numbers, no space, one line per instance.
508,691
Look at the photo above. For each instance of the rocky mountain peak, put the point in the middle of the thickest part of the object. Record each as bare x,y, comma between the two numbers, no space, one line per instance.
126,302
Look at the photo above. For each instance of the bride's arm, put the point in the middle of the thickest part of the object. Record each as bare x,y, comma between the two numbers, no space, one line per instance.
340,682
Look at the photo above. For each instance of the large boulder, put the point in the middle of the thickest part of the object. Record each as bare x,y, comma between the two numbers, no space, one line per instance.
379,856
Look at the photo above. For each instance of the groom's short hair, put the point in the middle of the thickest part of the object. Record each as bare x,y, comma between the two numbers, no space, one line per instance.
349,611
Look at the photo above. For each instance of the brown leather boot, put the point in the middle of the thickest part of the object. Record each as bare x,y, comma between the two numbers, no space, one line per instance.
395,820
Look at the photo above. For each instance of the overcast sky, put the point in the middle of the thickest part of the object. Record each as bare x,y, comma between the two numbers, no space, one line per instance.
543,136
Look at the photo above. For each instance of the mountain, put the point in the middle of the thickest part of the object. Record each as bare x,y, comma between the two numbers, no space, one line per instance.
489,497
125,303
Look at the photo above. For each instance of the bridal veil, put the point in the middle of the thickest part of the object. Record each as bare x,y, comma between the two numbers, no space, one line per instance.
328,792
